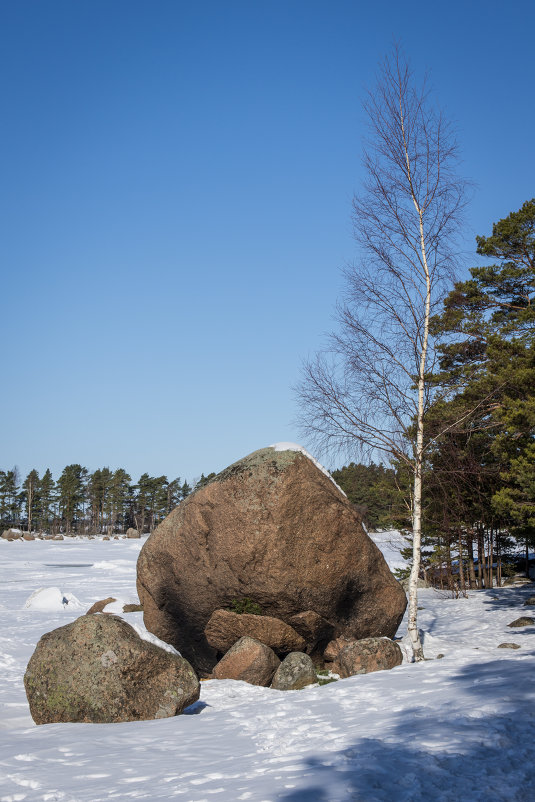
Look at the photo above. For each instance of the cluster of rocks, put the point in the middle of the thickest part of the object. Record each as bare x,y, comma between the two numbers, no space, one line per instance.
273,528
264,650
17,534
276,529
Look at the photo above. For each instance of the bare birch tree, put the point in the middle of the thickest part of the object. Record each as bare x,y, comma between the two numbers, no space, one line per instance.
370,387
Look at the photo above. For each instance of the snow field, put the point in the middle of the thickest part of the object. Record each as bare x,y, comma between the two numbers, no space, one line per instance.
458,727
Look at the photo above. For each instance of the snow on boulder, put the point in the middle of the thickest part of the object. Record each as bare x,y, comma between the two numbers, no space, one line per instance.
49,600
98,669
273,528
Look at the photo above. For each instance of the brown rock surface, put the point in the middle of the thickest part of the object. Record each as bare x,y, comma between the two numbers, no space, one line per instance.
225,628
334,647
523,621
99,606
313,628
98,669
275,529
367,655
248,660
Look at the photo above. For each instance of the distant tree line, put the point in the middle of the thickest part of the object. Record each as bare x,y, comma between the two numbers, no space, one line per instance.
81,502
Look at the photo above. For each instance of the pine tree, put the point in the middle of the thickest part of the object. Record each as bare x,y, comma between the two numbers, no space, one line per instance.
31,487
119,495
489,351
72,490
10,501
46,499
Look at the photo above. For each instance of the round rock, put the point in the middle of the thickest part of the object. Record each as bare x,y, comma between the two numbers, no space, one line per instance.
248,660
98,669
367,655
295,672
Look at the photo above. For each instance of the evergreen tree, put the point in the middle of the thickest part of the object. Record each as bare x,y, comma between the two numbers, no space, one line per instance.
173,495
119,496
185,490
31,487
98,488
46,499
488,324
72,490
204,480
374,491
10,501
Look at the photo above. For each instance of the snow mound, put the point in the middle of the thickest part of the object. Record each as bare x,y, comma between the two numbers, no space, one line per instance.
51,599
296,447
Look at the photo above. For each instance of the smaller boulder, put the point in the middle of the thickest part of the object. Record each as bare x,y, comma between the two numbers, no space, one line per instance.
28,536
313,628
11,534
98,606
225,628
295,672
248,660
523,621
334,647
132,533
98,669
509,646
530,602
367,655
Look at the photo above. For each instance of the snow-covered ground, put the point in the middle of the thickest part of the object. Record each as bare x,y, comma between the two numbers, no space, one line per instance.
460,727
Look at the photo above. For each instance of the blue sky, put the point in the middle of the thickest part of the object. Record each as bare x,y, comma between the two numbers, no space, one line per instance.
175,196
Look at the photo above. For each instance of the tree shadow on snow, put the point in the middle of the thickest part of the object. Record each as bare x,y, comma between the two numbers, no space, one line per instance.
468,752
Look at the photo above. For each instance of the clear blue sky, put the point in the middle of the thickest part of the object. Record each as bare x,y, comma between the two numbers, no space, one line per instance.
176,182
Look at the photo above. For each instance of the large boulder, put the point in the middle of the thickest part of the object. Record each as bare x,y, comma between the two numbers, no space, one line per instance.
248,660
98,669
273,528
225,628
